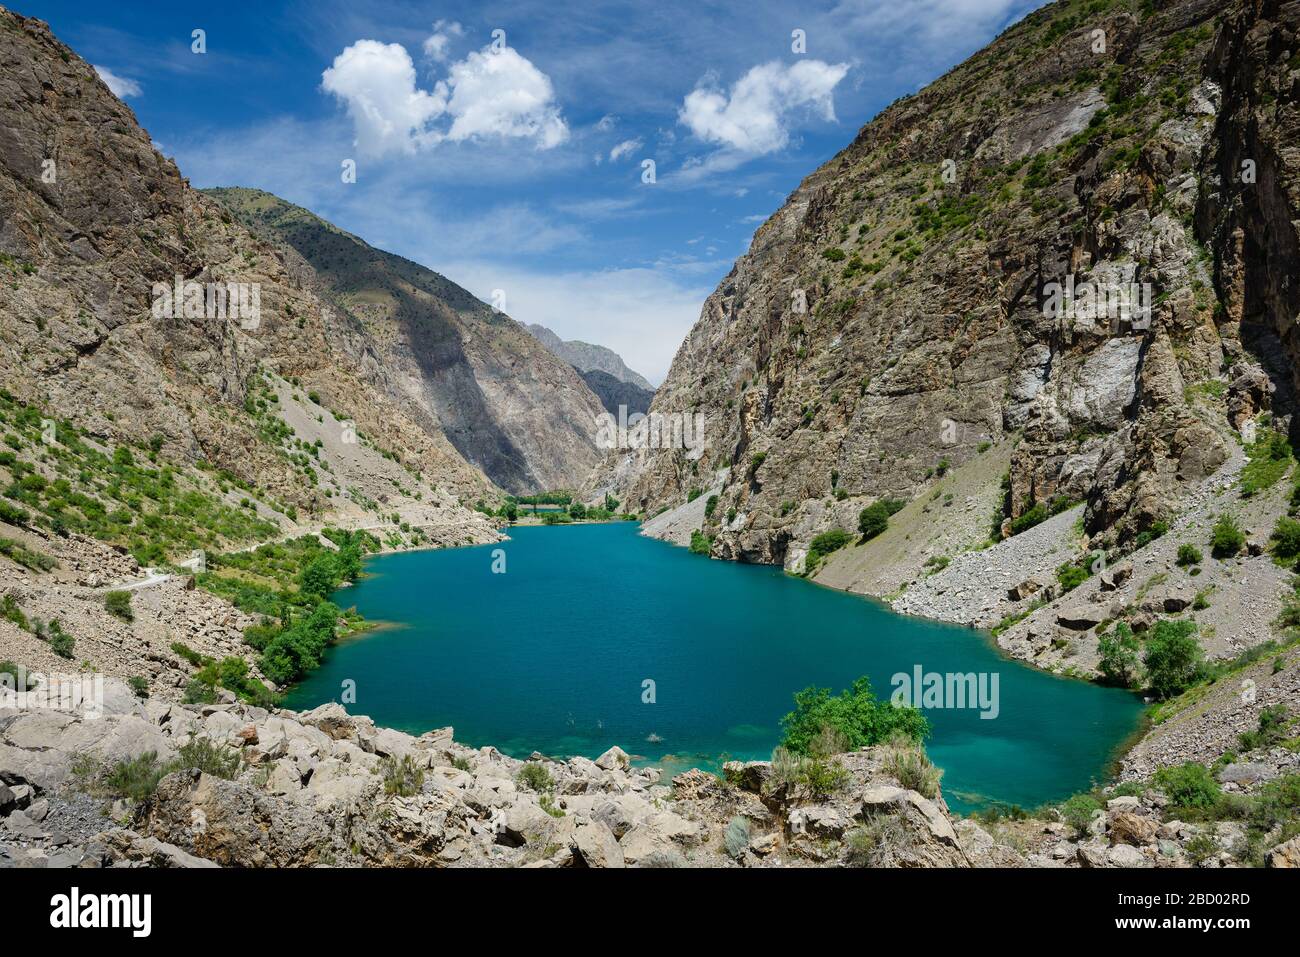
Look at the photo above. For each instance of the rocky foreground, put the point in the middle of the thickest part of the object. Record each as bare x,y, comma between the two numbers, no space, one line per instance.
282,789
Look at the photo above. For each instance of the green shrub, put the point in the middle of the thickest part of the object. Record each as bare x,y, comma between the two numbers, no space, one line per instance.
1173,658
913,770
823,544
1201,848
139,685
710,505
1286,539
135,779
1078,813
1227,538
1271,729
1189,786
1189,554
61,643
1071,575
203,754
11,611
534,776
873,520
855,714
401,777
701,544
119,603
198,692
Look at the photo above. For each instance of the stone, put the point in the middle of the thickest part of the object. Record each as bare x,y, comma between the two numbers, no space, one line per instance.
1129,828
1284,855
1246,772
1080,617
1125,855
749,776
615,759
594,845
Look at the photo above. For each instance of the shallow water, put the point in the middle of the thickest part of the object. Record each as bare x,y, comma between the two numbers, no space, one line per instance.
553,654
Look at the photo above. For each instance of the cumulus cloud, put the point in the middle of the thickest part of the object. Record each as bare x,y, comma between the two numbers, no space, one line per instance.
754,116
439,42
626,148
490,93
120,85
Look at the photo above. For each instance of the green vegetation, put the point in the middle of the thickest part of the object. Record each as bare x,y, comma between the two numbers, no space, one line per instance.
15,677
203,754
76,484
854,714
1189,787
910,765
1189,554
119,603
402,776
534,776
1227,538
139,685
1118,648
1270,457
135,779
28,558
701,544
1286,539
874,519
60,642
822,545
1173,658
1271,731
1039,513
1078,813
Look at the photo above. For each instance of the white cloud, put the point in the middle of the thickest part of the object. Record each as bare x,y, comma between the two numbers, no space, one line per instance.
643,314
503,94
754,116
626,148
437,44
487,94
120,85
377,82
606,122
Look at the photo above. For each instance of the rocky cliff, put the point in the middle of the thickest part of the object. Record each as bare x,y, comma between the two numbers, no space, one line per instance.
940,289
98,234
468,371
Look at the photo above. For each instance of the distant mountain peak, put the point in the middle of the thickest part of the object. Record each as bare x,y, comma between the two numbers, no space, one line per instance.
586,357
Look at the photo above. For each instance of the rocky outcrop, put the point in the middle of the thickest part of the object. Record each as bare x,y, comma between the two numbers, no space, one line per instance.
327,787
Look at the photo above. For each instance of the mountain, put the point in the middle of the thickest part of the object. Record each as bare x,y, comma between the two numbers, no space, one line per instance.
586,357
615,394
1025,351
894,318
96,230
506,404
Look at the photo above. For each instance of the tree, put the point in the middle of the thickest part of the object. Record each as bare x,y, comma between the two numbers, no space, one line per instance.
855,714
873,519
512,512
319,577
1173,658
1119,656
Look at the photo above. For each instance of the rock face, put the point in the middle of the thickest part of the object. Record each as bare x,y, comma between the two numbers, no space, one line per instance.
907,306
586,357
614,393
508,406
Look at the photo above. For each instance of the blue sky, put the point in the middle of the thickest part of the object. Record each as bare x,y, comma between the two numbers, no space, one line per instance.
513,160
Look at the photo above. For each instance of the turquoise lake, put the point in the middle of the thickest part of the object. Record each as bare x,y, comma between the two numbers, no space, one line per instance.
551,656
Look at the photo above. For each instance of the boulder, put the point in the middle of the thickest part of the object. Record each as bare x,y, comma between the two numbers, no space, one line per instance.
1129,828
1284,855
748,775
1022,591
1125,855
1080,617
594,845
615,759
